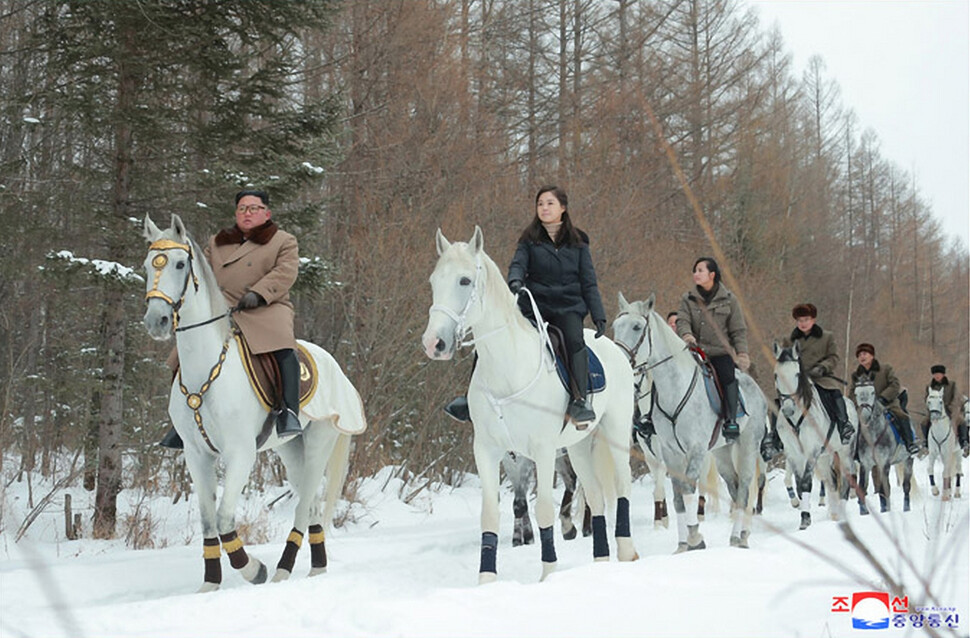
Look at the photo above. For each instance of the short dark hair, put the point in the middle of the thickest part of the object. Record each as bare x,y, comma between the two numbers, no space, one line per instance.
262,195
672,313
711,267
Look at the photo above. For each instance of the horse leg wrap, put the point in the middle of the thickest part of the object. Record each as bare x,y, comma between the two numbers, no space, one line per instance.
318,551
601,546
233,547
548,544
623,517
213,564
489,551
293,543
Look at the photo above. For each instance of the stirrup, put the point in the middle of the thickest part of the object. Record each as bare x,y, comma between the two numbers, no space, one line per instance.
581,414
287,423
172,440
913,448
458,409
730,430
845,433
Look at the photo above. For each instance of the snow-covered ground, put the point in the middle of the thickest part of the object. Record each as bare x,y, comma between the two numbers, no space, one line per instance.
401,569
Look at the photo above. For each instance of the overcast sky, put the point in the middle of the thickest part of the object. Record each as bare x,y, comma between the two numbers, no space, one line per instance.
904,67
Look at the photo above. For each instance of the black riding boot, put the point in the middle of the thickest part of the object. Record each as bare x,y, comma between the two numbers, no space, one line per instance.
730,429
906,434
172,440
643,425
842,419
287,417
579,409
964,438
924,429
771,445
457,409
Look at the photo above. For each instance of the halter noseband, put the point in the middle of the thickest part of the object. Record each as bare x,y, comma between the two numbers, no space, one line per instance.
461,330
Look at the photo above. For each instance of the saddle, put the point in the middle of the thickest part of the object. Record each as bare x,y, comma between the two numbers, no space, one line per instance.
264,374
894,426
712,385
596,378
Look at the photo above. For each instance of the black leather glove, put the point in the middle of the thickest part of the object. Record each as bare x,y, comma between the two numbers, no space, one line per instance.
251,300
816,371
515,286
600,327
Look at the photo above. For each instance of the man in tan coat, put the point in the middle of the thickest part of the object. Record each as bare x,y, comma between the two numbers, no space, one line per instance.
951,402
256,264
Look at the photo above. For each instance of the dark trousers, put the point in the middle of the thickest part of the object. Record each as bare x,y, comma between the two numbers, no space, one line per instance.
723,366
571,326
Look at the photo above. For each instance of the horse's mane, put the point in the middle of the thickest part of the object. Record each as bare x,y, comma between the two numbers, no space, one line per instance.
804,383
675,345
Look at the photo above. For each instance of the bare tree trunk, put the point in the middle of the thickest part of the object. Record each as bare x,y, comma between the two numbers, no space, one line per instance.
112,398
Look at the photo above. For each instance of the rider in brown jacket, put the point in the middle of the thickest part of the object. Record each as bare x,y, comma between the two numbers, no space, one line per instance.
887,387
951,400
256,264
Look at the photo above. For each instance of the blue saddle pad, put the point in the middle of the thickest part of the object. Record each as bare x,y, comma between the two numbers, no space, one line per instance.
597,379
714,399
895,427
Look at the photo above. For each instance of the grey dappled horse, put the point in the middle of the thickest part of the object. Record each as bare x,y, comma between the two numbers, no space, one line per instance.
685,422
518,403
806,431
218,415
878,449
521,473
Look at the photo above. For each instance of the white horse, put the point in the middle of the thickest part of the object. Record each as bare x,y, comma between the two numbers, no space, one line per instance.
807,434
685,421
942,443
218,415
518,403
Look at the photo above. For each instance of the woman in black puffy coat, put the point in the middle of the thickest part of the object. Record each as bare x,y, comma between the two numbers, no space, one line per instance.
553,261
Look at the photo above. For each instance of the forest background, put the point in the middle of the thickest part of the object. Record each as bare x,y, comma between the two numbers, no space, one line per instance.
678,127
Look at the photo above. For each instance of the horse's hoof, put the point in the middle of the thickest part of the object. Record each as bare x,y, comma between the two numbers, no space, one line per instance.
701,545
569,534
735,541
281,575
935,491
254,571
666,522
681,548
863,510
207,587
745,534
548,568
316,571
906,506
601,559
700,518
625,551
806,520
795,502
485,578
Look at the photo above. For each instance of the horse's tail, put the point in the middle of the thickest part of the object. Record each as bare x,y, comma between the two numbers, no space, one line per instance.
336,475
710,483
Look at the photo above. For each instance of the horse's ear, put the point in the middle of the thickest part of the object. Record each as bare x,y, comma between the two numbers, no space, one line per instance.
649,304
776,349
477,241
623,303
149,230
179,227
440,242
796,350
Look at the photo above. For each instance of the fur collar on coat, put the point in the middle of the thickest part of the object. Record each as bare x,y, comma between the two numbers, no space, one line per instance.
260,235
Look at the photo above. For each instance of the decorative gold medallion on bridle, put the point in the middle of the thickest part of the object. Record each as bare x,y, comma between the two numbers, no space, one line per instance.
194,401
159,261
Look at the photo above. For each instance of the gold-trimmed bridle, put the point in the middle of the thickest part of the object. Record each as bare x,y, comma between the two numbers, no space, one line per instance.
159,262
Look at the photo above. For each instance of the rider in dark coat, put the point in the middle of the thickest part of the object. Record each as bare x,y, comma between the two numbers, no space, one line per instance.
952,404
887,387
552,260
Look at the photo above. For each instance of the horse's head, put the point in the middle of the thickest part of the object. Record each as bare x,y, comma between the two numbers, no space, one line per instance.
631,329
169,272
865,395
457,289
934,403
789,380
